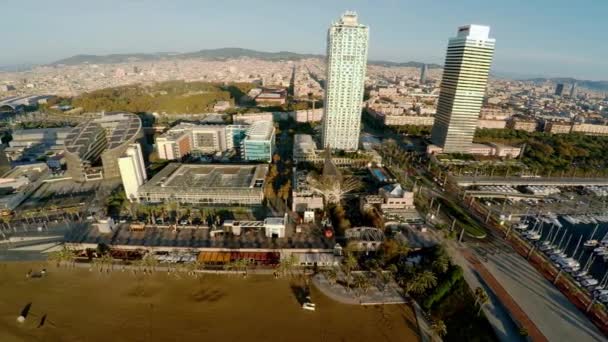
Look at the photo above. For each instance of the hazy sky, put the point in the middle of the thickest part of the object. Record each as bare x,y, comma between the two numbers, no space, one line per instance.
541,37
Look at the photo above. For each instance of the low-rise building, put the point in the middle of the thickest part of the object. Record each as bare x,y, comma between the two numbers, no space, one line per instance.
522,124
396,198
271,97
259,142
303,198
558,127
305,150
39,136
19,183
208,184
221,106
491,124
250,118
590,129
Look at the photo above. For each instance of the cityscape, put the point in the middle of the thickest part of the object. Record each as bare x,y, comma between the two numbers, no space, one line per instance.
166,196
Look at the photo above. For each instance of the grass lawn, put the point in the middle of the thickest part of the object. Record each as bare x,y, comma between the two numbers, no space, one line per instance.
90,306
471,227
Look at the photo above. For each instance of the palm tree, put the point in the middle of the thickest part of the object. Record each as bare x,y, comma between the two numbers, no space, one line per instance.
243,264
439,328
191,268
481,298
331,189
361,283
98,264
350,263
139,264
421,282
286,265
331,275
60,256
385,278
150,261
107,261
441,263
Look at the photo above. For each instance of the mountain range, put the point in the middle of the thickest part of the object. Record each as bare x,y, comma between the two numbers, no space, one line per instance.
233,53
212,54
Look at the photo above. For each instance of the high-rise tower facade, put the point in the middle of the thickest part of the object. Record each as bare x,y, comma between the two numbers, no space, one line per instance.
463,85
423,71
346,66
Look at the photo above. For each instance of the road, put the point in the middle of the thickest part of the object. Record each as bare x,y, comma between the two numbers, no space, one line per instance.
516,181
556,317
504,327
548,309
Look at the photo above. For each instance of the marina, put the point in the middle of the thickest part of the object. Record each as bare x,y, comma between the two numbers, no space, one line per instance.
576,244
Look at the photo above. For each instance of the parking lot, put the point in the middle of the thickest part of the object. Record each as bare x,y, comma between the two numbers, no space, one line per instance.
569,201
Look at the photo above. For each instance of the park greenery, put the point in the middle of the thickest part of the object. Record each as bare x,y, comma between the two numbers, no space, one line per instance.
436,283
555,154
169,97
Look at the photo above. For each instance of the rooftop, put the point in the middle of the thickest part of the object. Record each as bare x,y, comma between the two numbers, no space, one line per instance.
119,127
193,177
260,130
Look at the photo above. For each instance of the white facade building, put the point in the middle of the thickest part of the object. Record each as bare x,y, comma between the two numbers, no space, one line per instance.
132,170
346,66
465,76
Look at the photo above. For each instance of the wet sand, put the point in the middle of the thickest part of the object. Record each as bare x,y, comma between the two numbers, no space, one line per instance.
90,306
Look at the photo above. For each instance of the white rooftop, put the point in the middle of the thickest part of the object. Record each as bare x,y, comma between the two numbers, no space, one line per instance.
479,32
260,130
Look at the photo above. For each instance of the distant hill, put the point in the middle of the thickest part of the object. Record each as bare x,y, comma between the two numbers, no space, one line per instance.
601,86
212,54
114,58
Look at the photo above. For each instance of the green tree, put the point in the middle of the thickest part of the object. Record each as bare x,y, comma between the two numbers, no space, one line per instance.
421,282
481,298
439,328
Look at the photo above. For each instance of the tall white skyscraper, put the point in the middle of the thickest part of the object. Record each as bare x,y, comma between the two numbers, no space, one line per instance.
346,66
465,76
132,170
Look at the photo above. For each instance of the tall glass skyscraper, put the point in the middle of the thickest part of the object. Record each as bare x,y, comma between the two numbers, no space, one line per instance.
465,76
346,65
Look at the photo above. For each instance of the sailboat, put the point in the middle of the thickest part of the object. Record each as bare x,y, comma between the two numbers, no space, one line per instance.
591,242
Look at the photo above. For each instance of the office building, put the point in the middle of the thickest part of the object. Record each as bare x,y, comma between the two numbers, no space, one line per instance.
259,144
100,140
423,71
209,184
186,138
465,75
174,144
573,90
132,170
346,66
559,89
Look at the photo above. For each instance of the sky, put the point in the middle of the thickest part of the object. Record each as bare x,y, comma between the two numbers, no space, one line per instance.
557,38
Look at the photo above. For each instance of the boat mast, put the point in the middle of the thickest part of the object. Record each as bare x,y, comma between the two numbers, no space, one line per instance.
577,245
594,230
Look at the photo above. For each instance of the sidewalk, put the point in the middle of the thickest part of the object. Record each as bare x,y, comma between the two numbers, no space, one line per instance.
505,328
514,309
373,296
